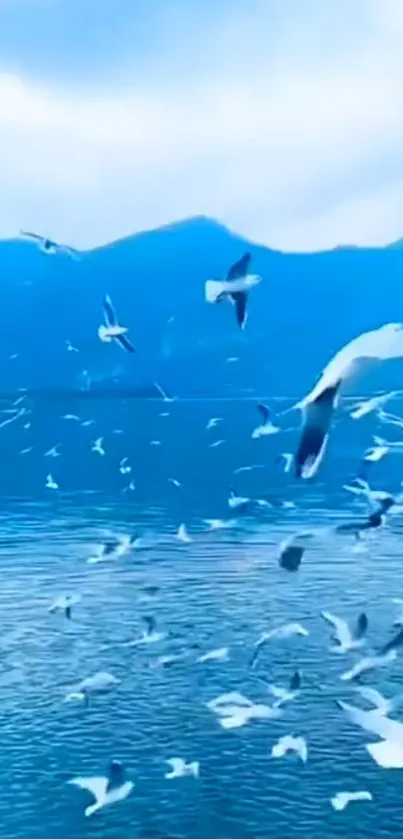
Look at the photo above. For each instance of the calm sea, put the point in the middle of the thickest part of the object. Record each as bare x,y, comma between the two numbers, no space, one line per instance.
222,589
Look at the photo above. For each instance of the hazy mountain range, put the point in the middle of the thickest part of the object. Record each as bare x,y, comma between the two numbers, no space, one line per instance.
307,306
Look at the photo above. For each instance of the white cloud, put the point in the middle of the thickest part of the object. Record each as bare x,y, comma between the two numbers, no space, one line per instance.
292,137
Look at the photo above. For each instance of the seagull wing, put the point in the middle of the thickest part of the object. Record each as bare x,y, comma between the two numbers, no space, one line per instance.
240,301
125,343
109,312
239,269
264,412
317,417
29,235
361,626
96,786
397,641
342,631
374,697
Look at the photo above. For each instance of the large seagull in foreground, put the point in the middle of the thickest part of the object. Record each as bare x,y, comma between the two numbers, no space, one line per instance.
318,406
111,331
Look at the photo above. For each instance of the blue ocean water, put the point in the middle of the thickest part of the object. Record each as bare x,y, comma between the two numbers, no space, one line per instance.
224,588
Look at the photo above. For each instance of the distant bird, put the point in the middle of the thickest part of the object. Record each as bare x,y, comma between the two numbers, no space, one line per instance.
101,682
341,800
235,288
183,534
70,348
361,409
51,483
292,549
285,695
266,427
347,639
365,665
98,446
213,422
124,467
163,393
287,459
110,330
373,455
237,502
280,633
48,246
54,451
374,520
318,406
113,549
220,654
105,790
289,743
179,768
65,604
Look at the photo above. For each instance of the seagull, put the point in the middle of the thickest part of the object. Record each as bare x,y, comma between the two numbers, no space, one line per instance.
287,458
266,427
216,444
64,604
234,710
48,246
237,502
175,483
183,534
105,790
98,447
235,287
51,483
100,682
282,632
110,330
365,665
318,406
373,455
374,520
53,452
124,467
342,799
284,695
395,642
72,417
390,419
361,409
388,751
220,524
70,348
213,422
150,634
220,654
292,549
180,768
289,743
347,640
163,393
248,468
113,549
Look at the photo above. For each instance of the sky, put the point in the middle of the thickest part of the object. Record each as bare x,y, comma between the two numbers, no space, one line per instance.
283,119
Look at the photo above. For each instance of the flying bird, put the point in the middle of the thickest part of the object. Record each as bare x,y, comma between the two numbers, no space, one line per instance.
111,330
319,405
266,427
105,790
346,638
48,246
235,288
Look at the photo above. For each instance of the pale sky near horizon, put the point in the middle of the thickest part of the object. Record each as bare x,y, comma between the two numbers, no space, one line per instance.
281,118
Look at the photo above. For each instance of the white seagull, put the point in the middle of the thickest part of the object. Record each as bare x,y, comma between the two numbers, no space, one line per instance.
318,406
183,534
54,451
235,288
289,743
280,633
180,768
105,790
342,799
70,348
285,695
361,409
111,330
365,665
48,246
220,654
98,446
381,703
100,682
234,710
51,483
266,427
346,638
388,751
237,502
65,604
